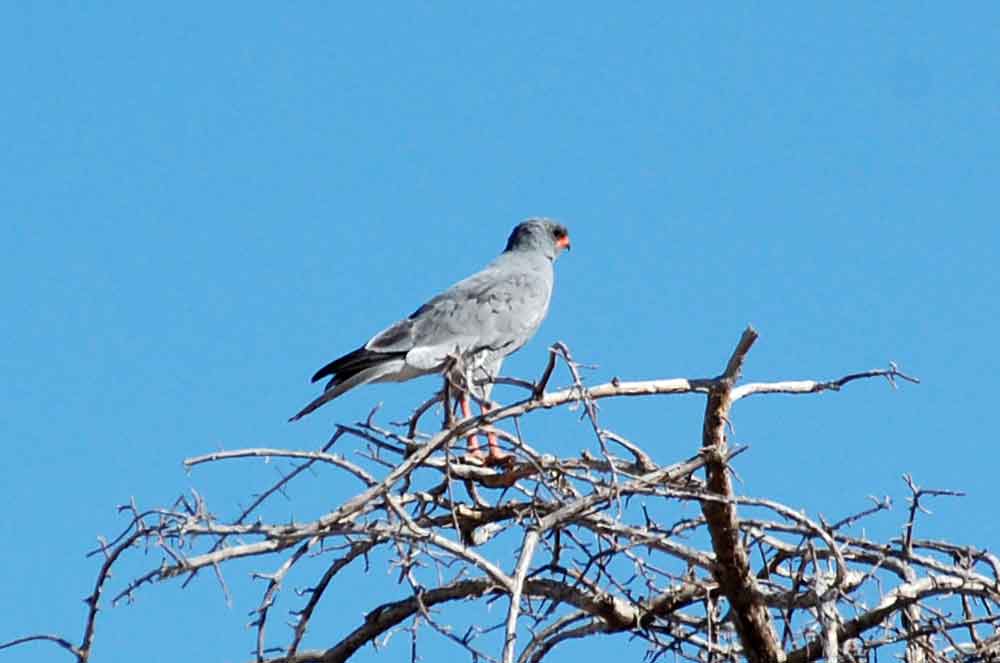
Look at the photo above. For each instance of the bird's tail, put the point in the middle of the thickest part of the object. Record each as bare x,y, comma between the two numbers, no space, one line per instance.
315,403
356,368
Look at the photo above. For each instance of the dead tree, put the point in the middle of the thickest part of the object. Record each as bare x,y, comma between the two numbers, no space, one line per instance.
603,543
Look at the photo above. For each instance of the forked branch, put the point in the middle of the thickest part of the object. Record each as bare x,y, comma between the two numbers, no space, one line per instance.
605,543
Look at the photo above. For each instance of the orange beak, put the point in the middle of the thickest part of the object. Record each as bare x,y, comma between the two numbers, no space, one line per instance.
563,242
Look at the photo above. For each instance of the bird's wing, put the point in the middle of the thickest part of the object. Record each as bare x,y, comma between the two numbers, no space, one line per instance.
497,309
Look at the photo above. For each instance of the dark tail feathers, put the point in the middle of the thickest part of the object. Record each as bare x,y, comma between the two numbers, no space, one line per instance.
346,373
353,362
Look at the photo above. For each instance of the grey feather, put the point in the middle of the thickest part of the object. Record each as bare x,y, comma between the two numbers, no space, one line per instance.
478,321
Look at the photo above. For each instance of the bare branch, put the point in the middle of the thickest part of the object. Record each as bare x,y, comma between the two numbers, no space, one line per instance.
613,540
62,642
814,387
527,552
732,569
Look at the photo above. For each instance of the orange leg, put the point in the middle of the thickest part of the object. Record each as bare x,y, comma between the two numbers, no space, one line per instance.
467,412
491,437
495,455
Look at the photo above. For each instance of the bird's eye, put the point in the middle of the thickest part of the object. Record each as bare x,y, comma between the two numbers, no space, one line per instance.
558,233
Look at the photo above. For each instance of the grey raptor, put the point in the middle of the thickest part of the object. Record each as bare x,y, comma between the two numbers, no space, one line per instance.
473,325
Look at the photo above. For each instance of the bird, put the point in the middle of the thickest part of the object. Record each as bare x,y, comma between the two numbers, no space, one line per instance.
466,331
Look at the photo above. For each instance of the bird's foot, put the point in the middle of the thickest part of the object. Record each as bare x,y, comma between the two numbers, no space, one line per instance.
493,458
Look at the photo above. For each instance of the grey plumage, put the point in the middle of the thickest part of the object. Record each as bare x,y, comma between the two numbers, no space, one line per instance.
478,321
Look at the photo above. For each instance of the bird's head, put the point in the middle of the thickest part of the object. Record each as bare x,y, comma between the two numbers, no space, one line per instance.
543,235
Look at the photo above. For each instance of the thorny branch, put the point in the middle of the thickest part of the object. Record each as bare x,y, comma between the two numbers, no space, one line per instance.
575,546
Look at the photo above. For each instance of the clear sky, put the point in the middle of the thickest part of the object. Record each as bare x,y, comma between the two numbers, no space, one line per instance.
203,203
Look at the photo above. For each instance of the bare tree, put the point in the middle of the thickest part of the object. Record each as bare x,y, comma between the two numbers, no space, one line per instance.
603,543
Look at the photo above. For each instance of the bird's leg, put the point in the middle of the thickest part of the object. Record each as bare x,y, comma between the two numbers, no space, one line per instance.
473,439
495,456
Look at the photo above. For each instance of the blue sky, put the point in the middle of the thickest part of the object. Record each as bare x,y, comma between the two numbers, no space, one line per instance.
201,205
